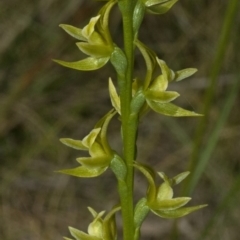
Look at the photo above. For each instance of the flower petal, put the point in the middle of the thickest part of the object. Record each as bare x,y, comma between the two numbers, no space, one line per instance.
73,31
102,138
76,144
184,73
179,178
79,235
90,28
170,109
166,71
115,100
96,51
164,192
159,6
178,212
160,83
83,172
87,64
150,175
150,61
169,204
95,162
109,224
91,137
159,96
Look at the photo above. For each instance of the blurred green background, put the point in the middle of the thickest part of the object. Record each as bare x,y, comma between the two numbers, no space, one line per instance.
41,102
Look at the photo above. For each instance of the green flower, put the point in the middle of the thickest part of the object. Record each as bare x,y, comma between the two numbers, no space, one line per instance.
160,199
159,99
100,152
99,228
95,40
155,90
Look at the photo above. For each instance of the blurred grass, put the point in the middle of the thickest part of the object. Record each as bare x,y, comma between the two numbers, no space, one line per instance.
41,102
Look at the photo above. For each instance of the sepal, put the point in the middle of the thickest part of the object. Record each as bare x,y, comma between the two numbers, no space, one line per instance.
177,213
170,109
161,97
115,100
87,64
184,73
149,173
83,172
159,6
76,144
73,31
170,204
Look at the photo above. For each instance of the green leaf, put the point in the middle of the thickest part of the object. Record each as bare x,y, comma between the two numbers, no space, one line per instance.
140,212
73,31
137,102
95,162
79,235
67,238
159,96
138,15
119,62
119,168
94,50
76,144
178,212
170,109
169,204
185,73
83,172
87,64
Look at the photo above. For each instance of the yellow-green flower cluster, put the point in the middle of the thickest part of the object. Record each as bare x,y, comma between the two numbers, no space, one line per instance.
160,199
97,145
95,40
100,228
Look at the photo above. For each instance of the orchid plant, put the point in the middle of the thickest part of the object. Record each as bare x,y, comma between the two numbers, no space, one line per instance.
131,99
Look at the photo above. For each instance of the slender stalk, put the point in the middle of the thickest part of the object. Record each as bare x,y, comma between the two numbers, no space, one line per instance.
129,123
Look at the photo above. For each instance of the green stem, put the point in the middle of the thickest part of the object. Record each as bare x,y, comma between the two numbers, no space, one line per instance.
129,123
